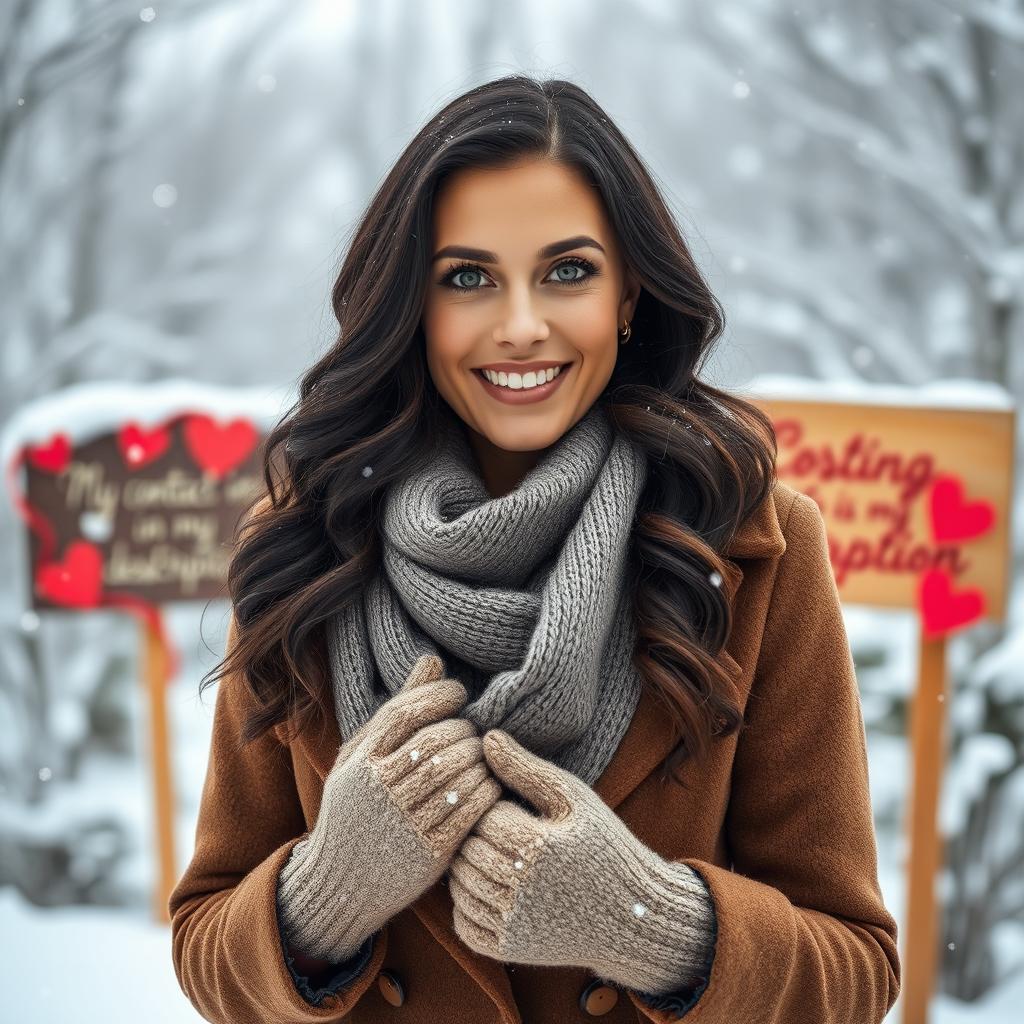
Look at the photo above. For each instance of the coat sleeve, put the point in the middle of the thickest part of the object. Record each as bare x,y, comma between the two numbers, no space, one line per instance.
803,935
229,953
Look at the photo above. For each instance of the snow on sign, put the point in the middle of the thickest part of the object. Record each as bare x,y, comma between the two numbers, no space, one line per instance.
141,506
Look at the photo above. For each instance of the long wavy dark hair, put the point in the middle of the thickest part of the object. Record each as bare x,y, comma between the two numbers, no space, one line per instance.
308,544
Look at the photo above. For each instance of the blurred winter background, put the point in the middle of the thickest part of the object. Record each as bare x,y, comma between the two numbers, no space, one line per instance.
177,185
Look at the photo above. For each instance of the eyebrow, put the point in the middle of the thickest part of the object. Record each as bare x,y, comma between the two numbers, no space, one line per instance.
486,256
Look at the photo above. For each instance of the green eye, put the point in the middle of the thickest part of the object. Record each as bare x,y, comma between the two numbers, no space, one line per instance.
459,273
569,266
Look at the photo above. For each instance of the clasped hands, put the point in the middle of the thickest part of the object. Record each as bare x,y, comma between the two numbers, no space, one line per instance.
570,886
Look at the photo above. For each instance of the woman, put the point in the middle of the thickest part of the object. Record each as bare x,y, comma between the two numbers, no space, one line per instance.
538,703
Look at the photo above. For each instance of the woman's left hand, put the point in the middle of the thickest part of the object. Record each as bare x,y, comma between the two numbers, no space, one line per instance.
573,886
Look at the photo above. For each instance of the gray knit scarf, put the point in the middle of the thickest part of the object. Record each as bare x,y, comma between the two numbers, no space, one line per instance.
521,595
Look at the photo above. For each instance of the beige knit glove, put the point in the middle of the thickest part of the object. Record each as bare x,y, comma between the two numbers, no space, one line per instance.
574,887
401,796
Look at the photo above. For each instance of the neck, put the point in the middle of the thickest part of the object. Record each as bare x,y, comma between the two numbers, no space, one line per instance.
501,470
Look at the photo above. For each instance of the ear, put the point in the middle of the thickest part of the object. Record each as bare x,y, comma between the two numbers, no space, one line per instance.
542,783
631,288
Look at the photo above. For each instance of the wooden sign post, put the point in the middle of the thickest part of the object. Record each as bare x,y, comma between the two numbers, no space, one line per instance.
132,494
928,757
916,498
156,663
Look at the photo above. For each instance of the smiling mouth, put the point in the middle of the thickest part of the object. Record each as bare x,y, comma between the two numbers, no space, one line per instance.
517,382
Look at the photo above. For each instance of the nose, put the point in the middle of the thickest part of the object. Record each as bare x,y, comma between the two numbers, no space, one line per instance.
521,323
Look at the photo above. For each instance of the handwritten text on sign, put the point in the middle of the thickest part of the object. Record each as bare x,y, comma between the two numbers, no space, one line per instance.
150,513
915,499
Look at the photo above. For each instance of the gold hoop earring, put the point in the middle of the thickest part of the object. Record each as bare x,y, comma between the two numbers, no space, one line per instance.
625,333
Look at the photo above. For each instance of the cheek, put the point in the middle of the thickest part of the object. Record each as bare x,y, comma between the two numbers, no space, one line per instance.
447,341
592,333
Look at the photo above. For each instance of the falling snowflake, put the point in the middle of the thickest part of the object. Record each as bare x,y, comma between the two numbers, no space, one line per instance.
165,195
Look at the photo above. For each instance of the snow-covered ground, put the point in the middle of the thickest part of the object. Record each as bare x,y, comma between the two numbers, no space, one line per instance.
83,964
88,963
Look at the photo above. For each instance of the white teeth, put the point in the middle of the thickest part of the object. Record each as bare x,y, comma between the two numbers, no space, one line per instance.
518,382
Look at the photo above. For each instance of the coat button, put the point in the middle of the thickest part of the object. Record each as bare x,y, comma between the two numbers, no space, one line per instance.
391,988
597,999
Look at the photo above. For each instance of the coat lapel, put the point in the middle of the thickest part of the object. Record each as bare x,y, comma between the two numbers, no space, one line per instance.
644,746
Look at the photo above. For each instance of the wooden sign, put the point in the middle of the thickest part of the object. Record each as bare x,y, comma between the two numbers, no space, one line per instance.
916,500
915,487
145,511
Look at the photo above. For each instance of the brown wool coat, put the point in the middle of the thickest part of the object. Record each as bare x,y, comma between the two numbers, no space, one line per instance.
778,822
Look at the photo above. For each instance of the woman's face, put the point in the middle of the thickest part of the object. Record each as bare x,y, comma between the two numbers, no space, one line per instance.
544,287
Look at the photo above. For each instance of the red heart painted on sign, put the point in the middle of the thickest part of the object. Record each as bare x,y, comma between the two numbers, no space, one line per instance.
956,519
943,610
77,580
140,446
52,457
218,448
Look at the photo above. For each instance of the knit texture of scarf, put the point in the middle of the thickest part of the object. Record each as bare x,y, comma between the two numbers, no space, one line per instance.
521,595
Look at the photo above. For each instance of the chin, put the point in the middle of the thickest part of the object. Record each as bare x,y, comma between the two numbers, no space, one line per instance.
526,437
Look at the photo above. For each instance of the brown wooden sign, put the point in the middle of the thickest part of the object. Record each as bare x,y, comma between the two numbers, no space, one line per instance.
145,511
916,500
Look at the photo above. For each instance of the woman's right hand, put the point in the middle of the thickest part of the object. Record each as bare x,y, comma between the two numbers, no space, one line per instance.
405,790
